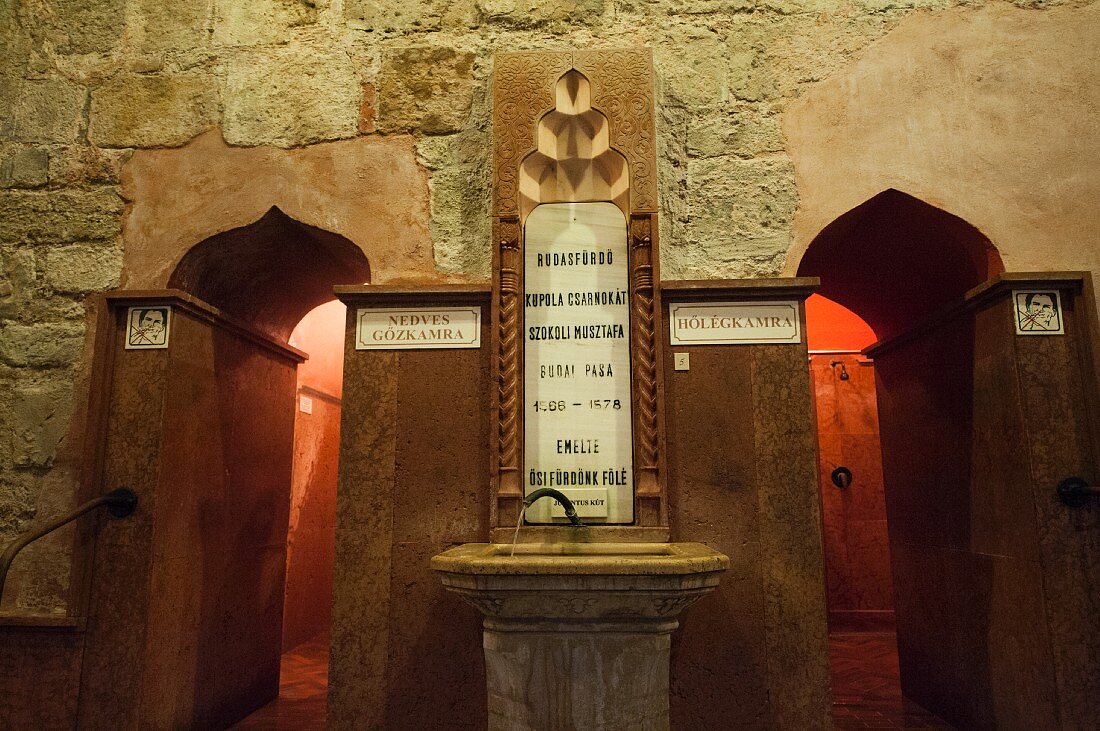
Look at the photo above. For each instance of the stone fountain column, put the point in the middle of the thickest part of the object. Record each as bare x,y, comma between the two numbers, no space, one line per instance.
577,622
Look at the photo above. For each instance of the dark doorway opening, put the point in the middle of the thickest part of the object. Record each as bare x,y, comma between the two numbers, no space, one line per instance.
858,584
270,575
311,528
886,266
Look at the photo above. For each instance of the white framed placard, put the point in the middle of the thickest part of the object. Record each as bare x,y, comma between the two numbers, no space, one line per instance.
148,327
1038,312
578,429
588,502
413,328
734,323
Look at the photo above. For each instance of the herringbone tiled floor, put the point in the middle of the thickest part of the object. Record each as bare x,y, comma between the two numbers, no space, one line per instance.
302,692
867,685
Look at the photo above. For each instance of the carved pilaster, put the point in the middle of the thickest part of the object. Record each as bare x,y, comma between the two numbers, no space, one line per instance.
506,237
525,90
643,356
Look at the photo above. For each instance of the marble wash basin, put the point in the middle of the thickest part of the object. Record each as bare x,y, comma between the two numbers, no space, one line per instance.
576,635
567,558
566,580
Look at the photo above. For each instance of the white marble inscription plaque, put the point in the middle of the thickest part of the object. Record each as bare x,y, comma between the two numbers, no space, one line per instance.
577,423
734,323
399,328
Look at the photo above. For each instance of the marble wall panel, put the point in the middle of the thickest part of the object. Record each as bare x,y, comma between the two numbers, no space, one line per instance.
436,665
974,655
743,479
40,668
1056,416
1008,640
718,653
242,553
1002,511
441,499
364,528
414,480
185,616
120,575
925,393
790,529
307,610
360,630
856,545
862,453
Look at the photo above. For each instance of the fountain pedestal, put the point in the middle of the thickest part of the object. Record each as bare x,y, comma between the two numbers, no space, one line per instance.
576,635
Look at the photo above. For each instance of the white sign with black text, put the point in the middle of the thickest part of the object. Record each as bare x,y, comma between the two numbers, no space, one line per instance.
403,328
577,415
734,323
588,502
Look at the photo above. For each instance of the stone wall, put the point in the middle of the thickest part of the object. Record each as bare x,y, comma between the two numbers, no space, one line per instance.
84,83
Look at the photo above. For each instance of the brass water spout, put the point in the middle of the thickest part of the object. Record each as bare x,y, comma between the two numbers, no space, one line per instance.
570,511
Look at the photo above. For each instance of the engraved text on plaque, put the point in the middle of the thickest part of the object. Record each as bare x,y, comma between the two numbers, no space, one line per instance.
577,410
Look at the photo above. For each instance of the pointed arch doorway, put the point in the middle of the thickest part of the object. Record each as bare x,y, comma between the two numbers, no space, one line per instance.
190,630
967,465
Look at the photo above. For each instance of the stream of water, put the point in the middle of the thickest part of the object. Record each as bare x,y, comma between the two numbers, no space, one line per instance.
515,536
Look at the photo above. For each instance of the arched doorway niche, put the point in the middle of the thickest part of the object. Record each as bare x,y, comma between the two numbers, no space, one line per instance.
369,190
231,444
895,259
270,572
893,263
858,587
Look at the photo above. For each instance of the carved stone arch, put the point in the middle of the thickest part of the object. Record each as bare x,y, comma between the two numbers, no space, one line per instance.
894,259
573,160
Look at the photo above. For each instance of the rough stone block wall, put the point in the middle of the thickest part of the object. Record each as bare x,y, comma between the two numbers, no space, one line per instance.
83,83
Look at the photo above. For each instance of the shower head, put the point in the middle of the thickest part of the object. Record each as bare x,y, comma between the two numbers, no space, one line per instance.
843,370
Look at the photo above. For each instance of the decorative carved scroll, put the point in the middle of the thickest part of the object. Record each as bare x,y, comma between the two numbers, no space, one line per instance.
623,90
506,236
522,93
643,357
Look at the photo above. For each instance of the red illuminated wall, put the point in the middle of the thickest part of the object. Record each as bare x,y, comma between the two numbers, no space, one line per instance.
857,552
312,528
831,326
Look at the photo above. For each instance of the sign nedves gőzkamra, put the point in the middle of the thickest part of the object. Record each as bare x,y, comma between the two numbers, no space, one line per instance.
404,328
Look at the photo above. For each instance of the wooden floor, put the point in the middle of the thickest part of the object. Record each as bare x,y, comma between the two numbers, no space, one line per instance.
866,689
